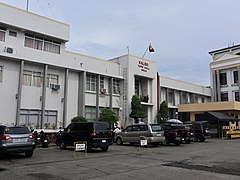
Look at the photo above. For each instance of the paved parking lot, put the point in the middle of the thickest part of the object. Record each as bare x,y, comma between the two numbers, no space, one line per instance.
213,159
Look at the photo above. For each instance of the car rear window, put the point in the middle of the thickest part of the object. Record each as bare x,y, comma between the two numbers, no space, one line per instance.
17,130
156,127
101,126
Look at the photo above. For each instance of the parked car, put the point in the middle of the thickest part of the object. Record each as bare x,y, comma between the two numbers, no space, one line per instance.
16,140
96,134
200,129
176,134
153,133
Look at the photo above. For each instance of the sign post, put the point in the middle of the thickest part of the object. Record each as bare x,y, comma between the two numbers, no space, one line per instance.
80,146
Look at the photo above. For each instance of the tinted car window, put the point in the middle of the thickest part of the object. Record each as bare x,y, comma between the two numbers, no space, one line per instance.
129,128
17,130
143,128
156,128
101,126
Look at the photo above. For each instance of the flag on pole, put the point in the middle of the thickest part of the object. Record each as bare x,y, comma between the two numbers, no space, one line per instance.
150,48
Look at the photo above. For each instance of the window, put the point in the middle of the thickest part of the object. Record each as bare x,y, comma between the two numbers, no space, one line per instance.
91,82
223,78
236,96
101,82
33,78
137,86
27,77
235,76
2,34
116,85
90,113
42,44
13,33
37,79
52,79
224,96
32,118
1,73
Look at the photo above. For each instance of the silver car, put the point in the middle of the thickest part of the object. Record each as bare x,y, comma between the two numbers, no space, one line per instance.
132,134
16,140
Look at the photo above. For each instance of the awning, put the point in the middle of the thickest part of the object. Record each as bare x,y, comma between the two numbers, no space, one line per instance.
217,116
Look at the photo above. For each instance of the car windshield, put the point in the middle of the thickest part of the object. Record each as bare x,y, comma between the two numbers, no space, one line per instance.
17,130
156,127
102,126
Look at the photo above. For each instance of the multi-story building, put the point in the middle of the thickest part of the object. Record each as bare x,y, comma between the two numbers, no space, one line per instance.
225,73
42,85
176,92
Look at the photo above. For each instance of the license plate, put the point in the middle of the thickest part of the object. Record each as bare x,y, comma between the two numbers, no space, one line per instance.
20,140
104,141
159,135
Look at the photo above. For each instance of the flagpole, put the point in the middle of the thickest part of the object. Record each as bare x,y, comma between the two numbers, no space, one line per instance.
27,5
145,52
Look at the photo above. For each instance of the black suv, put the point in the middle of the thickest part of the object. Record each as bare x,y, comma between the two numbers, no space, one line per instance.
201,130
16,140
96,134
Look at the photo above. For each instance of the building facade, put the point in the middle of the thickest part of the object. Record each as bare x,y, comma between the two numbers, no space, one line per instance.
225,73
176,92
44,86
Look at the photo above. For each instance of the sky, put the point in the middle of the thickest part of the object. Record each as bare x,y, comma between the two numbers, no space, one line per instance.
182,32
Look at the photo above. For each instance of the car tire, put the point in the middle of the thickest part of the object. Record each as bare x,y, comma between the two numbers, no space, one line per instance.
119,141
104,149
155,144
62,145
165,143
188,141
202,139
177,143
28,153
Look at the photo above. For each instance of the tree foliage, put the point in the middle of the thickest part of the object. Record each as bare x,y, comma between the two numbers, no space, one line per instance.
137,109
107,115
163,113
78,119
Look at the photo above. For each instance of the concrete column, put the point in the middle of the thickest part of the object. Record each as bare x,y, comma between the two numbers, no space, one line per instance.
44,85
238,82
65,97
181,100
97,96
111,93
218,87
81,93
214,94
19,94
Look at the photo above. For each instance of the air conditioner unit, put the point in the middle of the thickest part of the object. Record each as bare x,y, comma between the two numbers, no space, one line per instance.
103,91
55,86
8,50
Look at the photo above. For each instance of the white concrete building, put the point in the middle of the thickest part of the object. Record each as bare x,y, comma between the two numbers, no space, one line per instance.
225,73
176,92
42,85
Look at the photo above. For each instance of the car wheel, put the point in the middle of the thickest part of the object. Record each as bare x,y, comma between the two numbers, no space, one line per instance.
177,143
119,141
62,145
28,153
155,144
202,139
104,149
165,143
188,141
